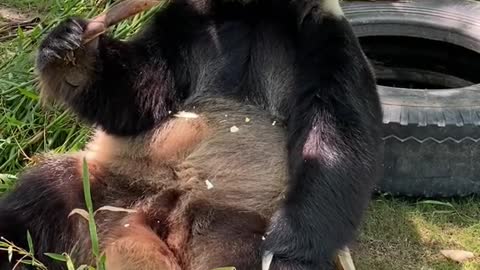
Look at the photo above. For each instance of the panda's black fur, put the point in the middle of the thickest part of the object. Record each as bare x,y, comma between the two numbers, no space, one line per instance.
220,123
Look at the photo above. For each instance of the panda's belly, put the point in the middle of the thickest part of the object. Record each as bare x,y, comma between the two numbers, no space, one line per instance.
242,162
217,150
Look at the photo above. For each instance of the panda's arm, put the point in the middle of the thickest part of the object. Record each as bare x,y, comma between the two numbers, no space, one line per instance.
333,142
124,87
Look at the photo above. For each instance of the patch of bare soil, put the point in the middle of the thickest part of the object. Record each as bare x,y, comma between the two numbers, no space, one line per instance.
11,19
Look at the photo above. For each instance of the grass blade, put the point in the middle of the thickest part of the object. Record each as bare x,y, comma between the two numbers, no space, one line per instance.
56,257
91,217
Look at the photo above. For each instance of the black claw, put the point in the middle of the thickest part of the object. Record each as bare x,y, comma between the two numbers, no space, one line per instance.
62,40
77,24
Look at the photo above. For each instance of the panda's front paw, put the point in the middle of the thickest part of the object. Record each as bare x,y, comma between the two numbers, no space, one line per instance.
289,245
61,43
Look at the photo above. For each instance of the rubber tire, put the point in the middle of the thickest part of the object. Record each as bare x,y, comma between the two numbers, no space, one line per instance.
432,137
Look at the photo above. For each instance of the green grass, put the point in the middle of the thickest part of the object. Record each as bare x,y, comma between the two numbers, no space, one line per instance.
396,235
26,127
409,235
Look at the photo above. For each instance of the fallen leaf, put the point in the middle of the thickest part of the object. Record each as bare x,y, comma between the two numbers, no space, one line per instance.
114,209
457,255
79,212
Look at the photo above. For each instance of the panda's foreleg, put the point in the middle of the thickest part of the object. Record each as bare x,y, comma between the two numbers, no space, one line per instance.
123,87
333,136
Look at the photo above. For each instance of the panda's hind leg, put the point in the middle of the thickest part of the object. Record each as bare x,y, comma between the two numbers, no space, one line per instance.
40,204
134,245
225,237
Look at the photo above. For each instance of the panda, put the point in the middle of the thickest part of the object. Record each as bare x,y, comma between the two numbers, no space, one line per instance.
233,131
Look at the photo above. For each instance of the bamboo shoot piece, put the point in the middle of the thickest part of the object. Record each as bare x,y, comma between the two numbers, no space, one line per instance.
344,260
117,13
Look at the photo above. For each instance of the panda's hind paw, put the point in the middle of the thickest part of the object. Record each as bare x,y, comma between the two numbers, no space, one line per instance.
290,246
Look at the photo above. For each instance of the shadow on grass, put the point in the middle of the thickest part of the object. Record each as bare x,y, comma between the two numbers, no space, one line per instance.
404,235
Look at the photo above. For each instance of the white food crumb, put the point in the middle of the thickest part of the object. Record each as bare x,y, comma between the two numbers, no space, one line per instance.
263,238
234,129
126,225
209,184
184,114
274,123
247,119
